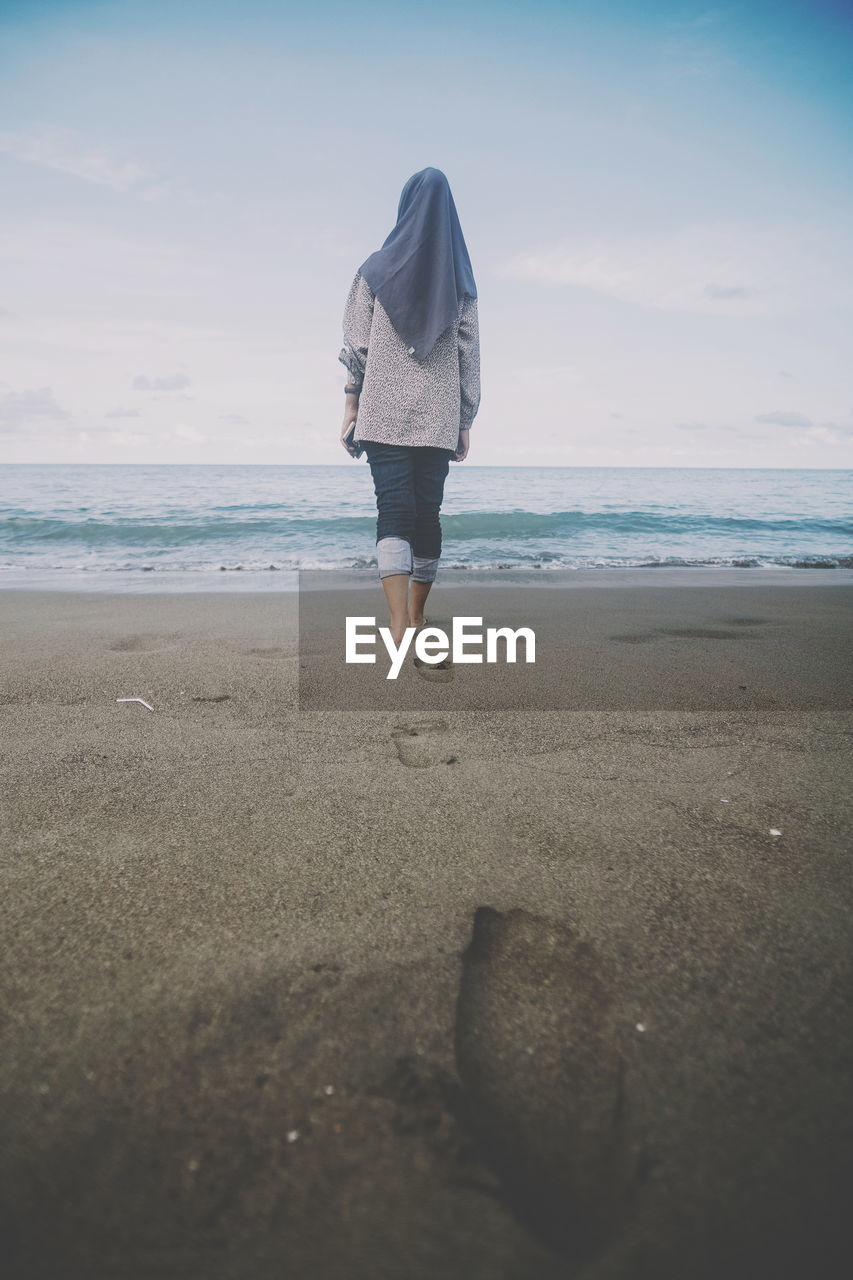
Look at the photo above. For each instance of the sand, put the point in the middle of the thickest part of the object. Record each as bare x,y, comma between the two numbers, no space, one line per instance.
437,992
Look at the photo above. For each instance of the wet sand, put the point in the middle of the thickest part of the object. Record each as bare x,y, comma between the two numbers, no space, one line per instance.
435,992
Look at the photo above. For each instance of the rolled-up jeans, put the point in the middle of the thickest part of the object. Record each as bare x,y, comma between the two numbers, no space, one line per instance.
409,485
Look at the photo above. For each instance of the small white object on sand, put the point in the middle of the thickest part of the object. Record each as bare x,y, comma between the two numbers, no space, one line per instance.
774,831
142,700
293,1134
641,1026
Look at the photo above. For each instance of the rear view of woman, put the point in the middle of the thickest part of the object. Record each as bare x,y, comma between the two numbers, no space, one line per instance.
412,353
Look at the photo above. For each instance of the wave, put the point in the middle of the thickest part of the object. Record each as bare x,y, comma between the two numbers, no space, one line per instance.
34,529
529,524
546,563
519,526
541,566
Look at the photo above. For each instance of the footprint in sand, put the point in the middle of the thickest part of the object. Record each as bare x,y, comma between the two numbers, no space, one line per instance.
441,673
678,633
144,643
537,1054
433,673
422,744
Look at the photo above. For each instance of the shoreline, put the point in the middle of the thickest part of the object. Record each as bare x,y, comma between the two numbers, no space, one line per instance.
292,580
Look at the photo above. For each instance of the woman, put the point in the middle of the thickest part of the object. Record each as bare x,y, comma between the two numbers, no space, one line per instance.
412,352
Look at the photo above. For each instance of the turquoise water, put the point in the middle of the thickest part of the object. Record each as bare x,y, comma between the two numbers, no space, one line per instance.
188,526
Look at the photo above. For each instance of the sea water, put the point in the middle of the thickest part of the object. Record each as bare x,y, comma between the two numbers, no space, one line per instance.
190,527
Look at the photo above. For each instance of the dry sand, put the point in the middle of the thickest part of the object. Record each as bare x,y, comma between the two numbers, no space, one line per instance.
427,994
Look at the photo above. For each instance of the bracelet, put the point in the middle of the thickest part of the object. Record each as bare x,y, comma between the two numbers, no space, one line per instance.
352,391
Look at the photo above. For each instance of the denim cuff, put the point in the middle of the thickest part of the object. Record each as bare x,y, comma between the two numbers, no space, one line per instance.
393,555
424,570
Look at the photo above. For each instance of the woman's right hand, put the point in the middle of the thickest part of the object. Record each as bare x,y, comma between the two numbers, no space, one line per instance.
350,416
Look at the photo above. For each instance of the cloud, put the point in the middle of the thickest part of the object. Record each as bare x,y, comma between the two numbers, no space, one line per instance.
691,58
703,426
705,19
190,435
103,437
783,419
236,419
821,435
19,409
688,51
123,413
60,151
726,291
722,267
171,382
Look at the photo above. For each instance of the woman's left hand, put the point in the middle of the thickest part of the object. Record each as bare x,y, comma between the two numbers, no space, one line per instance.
462,445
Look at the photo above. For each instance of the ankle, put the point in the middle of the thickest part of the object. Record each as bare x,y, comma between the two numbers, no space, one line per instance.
398,625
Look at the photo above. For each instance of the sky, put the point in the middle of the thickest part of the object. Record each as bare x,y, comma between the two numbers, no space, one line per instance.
655,197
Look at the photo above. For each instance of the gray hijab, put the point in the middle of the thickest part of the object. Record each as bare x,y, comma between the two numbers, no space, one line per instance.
423,269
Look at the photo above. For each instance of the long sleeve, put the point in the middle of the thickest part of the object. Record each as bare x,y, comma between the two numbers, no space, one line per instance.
469,362
358,319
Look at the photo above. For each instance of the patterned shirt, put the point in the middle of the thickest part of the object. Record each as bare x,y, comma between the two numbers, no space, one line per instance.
404,401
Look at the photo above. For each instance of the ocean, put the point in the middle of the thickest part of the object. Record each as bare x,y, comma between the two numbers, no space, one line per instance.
202,527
